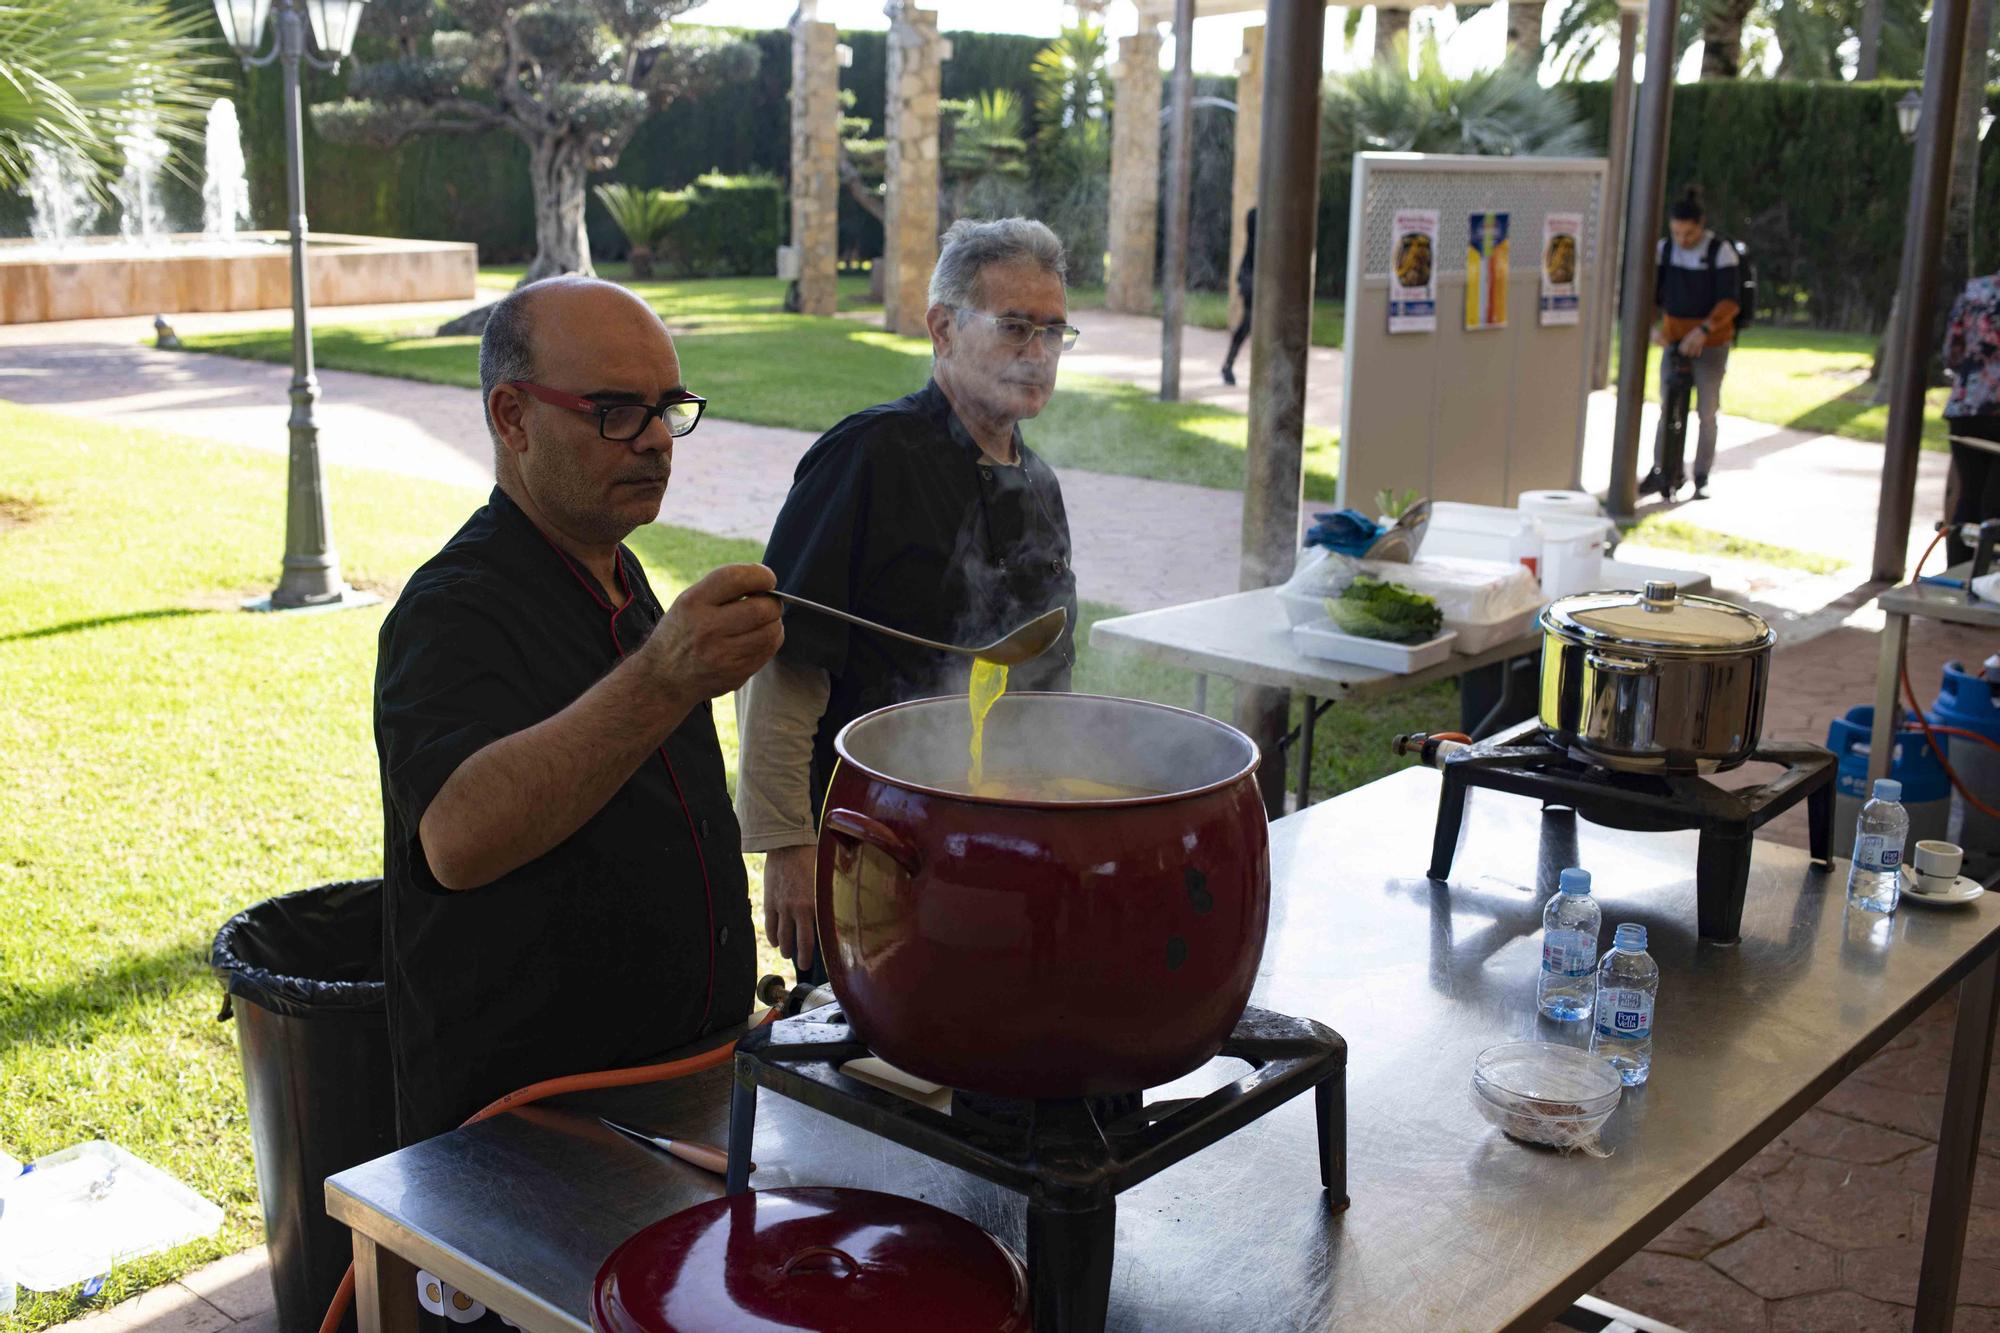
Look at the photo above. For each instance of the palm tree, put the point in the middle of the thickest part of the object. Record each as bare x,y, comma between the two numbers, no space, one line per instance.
74,74
984,157
1584,27
1496,112
1072,84
644,216
1524,32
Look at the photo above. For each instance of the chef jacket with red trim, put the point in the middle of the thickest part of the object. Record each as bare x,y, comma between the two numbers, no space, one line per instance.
627,939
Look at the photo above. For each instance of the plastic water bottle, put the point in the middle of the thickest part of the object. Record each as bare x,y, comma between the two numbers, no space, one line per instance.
1570,923
1628,982
1875,879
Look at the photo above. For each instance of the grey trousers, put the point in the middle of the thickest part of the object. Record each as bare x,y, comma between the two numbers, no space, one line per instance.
1709,369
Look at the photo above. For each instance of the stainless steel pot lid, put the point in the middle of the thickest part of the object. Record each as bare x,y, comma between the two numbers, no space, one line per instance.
1659,620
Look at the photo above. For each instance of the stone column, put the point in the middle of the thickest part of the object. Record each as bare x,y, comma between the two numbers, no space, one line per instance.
910,214
1135,174
1249,142
815,162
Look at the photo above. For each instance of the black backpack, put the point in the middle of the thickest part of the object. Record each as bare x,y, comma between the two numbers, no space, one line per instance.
1746,276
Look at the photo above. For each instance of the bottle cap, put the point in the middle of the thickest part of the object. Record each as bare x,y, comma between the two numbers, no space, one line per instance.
1575,880
1888,789
1630,936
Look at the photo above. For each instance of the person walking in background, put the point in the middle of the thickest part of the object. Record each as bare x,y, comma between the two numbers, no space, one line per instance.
1245,275
1698,292
1972,412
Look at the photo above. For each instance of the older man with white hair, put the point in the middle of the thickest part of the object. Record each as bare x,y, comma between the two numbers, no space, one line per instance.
927,514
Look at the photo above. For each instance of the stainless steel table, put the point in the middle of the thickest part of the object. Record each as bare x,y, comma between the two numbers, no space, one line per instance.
1247,637
1451,1226
1898,605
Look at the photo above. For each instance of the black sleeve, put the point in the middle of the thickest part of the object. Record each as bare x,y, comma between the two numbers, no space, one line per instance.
1660,279
449,681
817,546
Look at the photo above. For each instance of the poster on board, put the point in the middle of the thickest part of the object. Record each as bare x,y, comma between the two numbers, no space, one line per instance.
1413,271
1486,272
1562,239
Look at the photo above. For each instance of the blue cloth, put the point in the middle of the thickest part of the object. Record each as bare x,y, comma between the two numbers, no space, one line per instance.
1347,531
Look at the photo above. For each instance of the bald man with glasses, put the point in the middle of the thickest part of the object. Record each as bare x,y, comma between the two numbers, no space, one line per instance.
563,875
929,514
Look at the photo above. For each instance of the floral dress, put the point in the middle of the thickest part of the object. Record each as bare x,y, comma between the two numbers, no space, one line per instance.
1972,350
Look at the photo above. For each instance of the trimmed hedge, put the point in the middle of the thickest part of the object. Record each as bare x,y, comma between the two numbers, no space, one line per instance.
732,228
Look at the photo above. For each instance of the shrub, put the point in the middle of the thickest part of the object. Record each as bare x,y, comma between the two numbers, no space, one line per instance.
732,227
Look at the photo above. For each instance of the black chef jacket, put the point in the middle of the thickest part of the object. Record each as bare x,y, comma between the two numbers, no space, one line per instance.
630,937
897,516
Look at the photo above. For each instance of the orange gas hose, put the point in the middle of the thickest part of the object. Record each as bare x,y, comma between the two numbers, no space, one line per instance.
551,1087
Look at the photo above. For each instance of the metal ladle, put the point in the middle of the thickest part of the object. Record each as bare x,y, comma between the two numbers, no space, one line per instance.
1023,644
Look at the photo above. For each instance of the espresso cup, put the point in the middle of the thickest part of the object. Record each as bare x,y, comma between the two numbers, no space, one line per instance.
1937,863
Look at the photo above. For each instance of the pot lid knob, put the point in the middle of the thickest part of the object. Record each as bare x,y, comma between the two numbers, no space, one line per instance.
1661,594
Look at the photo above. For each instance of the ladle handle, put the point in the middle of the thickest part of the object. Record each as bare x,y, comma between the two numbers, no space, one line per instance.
855,827
879,628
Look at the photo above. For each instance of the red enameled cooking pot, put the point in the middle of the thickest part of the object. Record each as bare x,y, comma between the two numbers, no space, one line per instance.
1032,945
811,1260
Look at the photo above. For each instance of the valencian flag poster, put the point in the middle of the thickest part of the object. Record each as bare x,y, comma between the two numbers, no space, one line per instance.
1486,272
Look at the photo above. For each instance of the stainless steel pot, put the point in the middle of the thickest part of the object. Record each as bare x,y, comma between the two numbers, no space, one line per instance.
1653,681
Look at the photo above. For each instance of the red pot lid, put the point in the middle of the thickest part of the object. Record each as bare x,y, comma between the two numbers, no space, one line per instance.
812,1260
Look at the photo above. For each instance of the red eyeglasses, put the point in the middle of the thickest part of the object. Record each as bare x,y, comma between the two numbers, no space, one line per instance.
624,422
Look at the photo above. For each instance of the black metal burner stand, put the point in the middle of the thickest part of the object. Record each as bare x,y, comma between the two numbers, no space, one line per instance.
1524,762
1070,1158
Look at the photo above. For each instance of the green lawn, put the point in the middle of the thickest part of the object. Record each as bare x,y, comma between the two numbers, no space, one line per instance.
1210,310
1810,379
757,364
1671,534
178,760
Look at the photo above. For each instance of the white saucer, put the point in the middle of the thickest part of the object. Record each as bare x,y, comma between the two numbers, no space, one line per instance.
1963,890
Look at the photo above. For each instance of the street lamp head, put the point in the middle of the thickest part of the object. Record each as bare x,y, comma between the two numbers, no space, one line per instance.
243,23
1910,114
333,25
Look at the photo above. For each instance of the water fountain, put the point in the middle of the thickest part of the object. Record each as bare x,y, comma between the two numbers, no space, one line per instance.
225,188
143,221
64,272
59,187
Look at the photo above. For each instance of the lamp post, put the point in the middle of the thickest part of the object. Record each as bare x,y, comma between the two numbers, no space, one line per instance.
311,572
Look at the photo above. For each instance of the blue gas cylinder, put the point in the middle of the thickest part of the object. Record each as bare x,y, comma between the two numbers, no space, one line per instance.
1926,790
1969,699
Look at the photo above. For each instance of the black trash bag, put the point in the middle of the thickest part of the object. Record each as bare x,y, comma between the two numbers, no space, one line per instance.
303,977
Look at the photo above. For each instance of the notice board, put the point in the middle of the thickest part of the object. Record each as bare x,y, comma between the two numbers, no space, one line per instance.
1477,414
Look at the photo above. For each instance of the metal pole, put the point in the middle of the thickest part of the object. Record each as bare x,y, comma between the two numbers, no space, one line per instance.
1649,187
1180,153
312,568
1280,336
1923,234
1617,186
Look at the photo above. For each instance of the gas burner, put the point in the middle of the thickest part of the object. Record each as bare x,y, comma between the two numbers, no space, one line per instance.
1524,762
1070,1158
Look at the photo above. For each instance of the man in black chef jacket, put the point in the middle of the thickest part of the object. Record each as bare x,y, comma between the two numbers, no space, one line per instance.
928,514
564,885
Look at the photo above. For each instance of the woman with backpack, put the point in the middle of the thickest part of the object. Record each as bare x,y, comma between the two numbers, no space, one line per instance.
1698,293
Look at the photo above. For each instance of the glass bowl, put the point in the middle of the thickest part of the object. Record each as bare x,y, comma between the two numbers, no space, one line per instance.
1545,1092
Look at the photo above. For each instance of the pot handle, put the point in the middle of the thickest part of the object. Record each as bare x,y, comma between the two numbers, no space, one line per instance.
1618,666
853,826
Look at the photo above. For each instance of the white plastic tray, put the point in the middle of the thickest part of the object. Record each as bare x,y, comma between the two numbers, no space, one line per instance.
1320,639
87,1209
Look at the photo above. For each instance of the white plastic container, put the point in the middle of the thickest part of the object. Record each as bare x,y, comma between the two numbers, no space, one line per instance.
87,1209
1483,532
1572,554
1321,639
1484,601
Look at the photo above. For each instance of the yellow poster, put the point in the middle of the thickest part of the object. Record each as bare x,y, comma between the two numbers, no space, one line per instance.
1486,272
